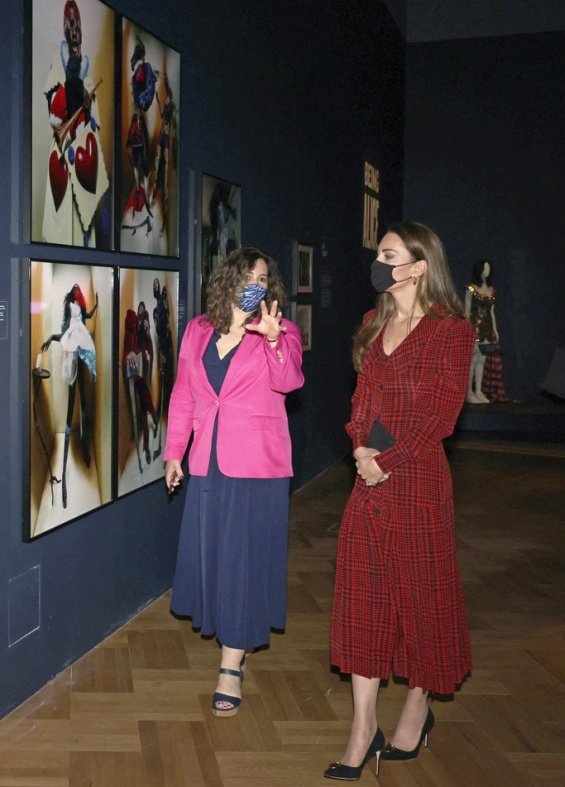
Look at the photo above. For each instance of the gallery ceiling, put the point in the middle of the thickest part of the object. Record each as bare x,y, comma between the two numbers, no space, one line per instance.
438,20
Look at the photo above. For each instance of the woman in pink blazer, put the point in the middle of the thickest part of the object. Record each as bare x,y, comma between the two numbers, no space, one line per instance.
237,362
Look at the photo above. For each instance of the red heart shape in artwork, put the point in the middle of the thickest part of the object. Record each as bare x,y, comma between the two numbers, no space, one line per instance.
86,164
58,178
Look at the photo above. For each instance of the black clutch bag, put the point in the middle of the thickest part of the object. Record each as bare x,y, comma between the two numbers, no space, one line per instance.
490,349
379,437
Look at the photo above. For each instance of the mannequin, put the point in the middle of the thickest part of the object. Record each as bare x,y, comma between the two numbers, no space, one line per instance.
480,298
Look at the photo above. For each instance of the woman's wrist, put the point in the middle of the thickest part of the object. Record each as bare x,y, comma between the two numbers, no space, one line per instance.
379,468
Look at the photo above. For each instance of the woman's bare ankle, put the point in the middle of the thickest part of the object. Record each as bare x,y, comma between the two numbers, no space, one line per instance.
359,742
409,725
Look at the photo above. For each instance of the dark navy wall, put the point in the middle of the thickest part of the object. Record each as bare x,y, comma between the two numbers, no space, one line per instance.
286,99
484,162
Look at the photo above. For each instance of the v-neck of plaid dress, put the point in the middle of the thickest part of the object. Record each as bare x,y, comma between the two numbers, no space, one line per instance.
398,601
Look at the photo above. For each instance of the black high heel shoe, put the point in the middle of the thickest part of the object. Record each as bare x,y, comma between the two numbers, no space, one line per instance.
233,703
391,753
349,773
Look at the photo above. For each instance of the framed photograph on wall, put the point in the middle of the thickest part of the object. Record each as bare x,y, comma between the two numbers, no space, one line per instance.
149,144
303,268
71,112
70,396
147,341
301,314
220,223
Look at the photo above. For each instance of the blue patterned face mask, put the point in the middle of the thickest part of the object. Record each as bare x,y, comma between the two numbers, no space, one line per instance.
250,297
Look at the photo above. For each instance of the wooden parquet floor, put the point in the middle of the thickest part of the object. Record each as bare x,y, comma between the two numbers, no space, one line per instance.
134,712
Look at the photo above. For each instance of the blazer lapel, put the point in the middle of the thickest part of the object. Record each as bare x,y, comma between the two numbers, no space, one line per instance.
201,340
241,359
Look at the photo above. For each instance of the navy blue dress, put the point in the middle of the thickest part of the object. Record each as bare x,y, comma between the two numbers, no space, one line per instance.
231,567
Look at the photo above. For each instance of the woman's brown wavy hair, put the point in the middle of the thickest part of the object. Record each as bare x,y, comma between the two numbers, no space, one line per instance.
229,277
435,291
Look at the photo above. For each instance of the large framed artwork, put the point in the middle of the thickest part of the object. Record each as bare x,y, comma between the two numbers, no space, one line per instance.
72,122
70,397
220,225
148,195
147,341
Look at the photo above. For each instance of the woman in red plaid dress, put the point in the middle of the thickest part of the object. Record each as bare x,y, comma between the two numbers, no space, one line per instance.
398,602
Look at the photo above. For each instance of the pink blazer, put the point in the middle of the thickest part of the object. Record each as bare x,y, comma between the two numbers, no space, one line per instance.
253,438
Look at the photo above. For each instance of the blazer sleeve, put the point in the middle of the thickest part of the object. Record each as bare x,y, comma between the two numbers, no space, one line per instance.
440,396
181,406
285,360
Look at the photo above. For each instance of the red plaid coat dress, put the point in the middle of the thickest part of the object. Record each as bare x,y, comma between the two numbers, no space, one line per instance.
398,601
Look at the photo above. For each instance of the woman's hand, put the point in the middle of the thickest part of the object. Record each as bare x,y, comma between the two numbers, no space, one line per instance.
367,467
173,474
363,451
45,346
270,324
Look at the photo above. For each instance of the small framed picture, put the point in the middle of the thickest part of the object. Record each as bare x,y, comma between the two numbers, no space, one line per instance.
301,314
303,268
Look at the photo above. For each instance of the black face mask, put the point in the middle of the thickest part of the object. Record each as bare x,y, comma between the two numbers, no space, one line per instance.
381,275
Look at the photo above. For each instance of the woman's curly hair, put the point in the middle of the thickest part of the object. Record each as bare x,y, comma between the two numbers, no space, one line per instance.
228,279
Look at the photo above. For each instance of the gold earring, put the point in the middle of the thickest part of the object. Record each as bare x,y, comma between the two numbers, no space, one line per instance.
414,280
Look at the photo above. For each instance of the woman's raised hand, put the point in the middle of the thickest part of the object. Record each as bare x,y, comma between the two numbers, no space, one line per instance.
270,322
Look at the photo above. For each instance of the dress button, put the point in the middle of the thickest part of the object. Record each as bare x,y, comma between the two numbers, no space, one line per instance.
377,511
216,402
